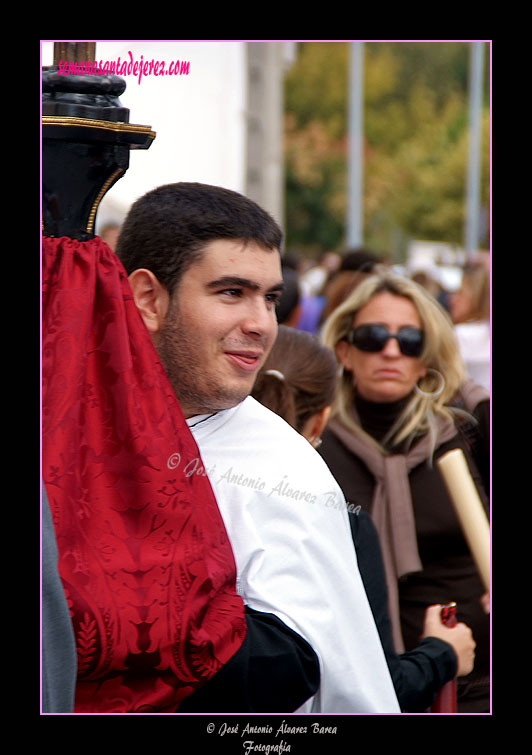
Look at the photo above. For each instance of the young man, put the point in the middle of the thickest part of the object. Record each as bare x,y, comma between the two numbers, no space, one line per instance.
204,267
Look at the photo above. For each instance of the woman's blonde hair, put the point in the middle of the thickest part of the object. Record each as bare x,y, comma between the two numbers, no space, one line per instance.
440,353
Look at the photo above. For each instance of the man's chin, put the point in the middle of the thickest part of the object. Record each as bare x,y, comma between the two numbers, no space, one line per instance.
210,404
235,397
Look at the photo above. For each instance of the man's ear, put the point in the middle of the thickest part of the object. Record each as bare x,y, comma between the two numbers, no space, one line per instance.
151,297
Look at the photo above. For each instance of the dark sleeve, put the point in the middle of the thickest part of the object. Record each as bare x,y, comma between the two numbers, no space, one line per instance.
59,664
418,674
274,671
422,672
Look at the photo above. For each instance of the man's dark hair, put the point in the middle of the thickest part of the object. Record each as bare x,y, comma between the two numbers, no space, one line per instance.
167,229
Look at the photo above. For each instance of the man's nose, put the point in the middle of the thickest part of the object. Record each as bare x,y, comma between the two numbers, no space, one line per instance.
259,318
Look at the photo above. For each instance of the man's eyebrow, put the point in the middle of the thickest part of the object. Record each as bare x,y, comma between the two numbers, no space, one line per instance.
233,280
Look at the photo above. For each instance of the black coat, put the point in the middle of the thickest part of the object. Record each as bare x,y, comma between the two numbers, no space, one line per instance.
449,573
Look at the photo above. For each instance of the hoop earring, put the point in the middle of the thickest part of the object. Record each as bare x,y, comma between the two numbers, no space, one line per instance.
434,394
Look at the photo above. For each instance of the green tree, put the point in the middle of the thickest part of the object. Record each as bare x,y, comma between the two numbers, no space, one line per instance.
315,128
415,143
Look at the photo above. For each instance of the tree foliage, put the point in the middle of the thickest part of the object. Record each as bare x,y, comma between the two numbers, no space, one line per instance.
415,143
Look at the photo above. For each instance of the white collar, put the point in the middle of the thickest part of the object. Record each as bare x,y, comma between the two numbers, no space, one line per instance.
199,418
214,419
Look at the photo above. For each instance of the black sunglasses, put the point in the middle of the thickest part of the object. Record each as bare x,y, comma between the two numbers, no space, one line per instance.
375,337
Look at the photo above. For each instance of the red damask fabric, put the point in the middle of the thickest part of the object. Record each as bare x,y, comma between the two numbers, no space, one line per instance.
144,557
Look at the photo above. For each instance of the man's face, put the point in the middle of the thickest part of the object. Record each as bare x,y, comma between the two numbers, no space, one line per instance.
220,325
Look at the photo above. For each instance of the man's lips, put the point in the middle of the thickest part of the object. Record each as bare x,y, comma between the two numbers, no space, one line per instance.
245,360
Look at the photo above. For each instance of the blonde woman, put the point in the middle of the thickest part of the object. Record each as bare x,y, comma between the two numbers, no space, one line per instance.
403,400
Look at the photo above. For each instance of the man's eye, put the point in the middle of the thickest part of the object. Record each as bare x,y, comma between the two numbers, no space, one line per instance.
273,298
232,292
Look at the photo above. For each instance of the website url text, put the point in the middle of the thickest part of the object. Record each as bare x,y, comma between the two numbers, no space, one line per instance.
124,67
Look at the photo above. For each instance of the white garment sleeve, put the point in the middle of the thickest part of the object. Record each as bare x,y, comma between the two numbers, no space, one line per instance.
287,521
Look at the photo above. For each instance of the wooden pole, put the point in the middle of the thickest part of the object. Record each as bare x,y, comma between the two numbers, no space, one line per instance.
74,51
469,509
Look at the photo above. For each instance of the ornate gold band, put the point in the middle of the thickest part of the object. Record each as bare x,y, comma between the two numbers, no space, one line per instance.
117,126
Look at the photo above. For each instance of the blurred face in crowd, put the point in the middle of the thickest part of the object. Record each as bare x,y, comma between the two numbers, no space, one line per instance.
461,302
387,375
216,331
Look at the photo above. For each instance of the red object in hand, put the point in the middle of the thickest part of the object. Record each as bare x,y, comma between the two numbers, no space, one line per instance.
445,701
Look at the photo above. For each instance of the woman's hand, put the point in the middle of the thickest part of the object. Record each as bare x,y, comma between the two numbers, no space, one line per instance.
459,637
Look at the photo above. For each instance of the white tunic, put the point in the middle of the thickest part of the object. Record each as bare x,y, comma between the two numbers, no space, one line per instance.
287,521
